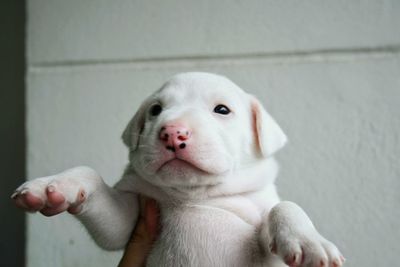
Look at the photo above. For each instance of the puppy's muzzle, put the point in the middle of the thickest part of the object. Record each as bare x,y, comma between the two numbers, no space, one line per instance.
175,136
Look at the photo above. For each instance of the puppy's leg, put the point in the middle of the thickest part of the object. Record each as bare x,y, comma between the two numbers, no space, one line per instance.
288,232
109,214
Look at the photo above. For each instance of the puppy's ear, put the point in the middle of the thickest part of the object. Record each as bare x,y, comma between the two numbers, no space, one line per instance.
268,135
132,132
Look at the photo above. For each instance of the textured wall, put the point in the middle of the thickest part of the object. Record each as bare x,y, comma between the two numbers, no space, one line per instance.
328,71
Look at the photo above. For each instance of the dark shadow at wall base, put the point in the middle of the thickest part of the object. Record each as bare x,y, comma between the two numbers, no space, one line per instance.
12,130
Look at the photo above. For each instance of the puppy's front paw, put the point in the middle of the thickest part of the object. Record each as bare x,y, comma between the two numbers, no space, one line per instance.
305,250
52,195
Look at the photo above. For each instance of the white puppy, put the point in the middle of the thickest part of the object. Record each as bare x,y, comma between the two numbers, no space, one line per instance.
203,148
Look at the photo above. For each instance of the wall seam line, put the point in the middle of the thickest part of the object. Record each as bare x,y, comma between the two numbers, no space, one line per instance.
348,54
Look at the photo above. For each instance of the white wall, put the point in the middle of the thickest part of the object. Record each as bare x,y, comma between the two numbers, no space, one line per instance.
329,72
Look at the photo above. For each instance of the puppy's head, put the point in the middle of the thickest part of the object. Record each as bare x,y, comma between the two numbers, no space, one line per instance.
197,128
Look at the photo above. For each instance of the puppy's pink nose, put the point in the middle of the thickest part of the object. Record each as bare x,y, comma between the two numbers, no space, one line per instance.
174,136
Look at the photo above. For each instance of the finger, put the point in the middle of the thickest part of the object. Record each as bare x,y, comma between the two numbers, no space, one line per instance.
142,204
143,236
152,218
140,233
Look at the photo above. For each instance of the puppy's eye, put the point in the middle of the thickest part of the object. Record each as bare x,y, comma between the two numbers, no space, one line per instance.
155,110
222,109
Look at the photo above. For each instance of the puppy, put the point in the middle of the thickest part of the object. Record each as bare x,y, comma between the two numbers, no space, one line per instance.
203,148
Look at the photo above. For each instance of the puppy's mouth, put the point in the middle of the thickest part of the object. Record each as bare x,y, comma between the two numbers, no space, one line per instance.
179,163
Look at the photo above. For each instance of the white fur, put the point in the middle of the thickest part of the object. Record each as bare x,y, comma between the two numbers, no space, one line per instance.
219,205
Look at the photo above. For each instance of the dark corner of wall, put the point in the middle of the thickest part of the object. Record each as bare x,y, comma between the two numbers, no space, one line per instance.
12,129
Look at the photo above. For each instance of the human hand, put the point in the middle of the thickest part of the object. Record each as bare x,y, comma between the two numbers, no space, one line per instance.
144,235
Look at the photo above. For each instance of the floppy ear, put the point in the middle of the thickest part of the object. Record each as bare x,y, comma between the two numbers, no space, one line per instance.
268,135
131,134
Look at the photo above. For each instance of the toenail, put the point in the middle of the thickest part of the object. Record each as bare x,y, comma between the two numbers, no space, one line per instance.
82,195
51,189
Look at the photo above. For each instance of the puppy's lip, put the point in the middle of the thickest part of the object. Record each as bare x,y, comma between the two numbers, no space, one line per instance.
176,159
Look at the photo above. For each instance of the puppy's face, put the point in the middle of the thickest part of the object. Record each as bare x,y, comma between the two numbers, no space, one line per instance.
197,128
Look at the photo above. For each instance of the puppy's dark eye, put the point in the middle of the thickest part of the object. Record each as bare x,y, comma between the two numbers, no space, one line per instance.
222,109
155,110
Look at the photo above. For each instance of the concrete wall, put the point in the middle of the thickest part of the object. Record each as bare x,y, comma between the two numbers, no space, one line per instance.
329,72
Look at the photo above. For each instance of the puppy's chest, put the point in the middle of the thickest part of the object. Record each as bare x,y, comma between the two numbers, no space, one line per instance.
210,233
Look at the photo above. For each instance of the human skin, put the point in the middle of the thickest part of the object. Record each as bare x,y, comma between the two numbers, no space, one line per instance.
143,236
